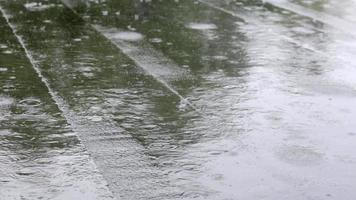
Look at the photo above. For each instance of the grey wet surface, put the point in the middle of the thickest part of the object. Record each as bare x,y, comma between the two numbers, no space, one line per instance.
177,99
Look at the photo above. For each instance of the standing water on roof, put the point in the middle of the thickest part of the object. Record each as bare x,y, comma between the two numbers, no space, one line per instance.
194,99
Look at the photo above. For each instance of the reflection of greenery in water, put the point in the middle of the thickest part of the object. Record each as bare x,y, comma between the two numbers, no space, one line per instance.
40,156
168,20
83,69
36,145
318,5
104,88
33,117
88,74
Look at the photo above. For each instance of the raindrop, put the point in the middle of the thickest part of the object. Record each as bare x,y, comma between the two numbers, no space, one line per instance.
7,52
3,46
156,40
95,118
3,69
105,13
77,39
202,26
128,36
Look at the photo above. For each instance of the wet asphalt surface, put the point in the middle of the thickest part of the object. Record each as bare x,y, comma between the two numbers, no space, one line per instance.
177,99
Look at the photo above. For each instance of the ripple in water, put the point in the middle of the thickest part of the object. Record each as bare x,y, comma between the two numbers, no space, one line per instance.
299,155
5,101
3,69
34,6
201,26
128,36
